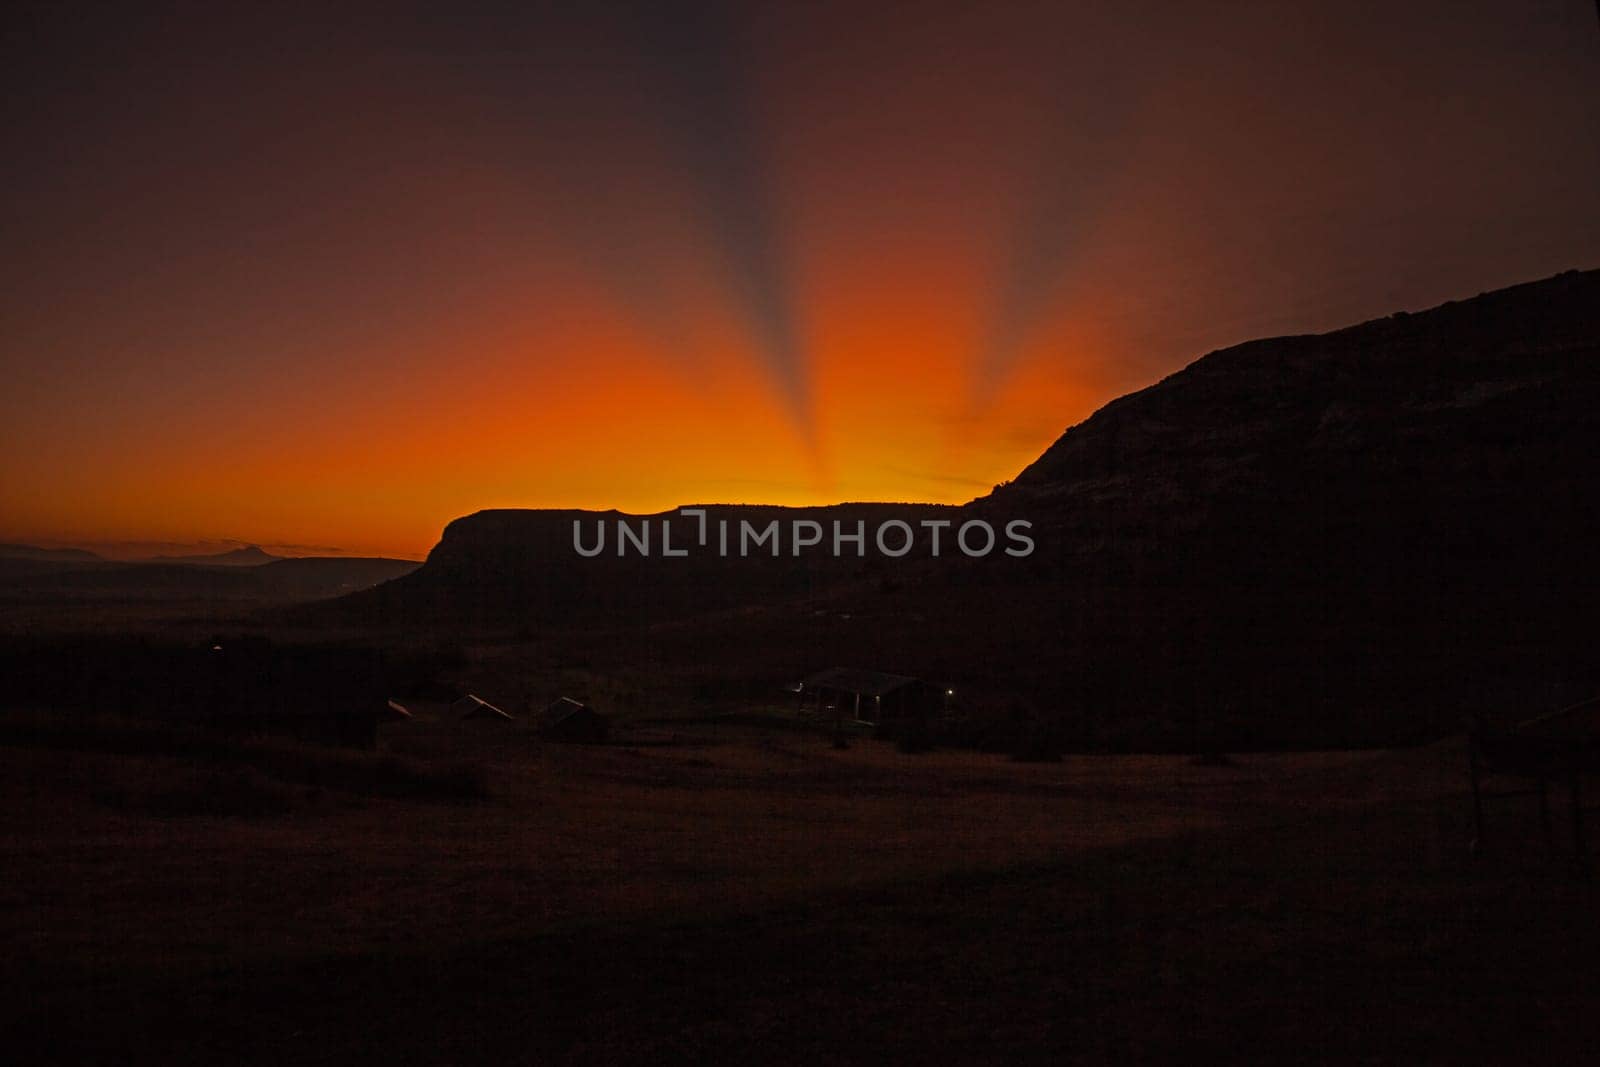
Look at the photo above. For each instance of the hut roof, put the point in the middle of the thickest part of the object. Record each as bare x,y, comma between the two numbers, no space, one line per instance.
850,680
561,709
475,707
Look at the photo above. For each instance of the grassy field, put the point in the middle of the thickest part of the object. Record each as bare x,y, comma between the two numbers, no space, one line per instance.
740,893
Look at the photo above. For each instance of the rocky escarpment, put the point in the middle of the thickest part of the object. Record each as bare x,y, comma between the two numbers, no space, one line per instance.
1361,535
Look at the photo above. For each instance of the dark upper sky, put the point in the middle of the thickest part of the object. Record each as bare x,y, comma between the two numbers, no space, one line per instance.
284,274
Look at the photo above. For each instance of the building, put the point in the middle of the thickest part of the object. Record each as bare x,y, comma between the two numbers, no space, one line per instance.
566,719
475,707
869,696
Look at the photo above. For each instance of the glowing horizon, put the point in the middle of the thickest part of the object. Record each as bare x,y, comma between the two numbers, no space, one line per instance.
335,281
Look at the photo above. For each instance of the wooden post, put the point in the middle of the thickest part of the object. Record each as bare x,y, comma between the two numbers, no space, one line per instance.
1477,796
1580,848
1544,815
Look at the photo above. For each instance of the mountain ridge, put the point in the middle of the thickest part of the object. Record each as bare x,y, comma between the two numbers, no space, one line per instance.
51,555
1365,533
246,556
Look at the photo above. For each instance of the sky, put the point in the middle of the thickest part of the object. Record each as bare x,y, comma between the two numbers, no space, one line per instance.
311,278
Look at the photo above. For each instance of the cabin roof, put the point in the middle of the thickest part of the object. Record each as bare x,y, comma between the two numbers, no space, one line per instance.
561,709
473,706
852,680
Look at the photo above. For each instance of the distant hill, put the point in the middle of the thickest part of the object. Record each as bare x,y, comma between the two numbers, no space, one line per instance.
277,581
1379,529
1356,536
250,556
53,555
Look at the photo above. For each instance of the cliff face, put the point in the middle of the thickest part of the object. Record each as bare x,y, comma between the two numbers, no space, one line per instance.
1393,520
1476,405
1426,465
525,568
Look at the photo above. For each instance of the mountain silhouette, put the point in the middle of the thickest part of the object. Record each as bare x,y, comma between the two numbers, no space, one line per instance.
278,580
249,556
519,567
1388,523
52,555
1359,535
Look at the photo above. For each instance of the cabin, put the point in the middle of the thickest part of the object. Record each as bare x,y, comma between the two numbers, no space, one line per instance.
571,720
1550,752
869,696
475,707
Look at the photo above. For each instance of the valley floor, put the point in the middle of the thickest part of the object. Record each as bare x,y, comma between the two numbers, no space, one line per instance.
739,896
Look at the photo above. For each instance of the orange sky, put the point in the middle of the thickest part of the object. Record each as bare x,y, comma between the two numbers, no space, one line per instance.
333,284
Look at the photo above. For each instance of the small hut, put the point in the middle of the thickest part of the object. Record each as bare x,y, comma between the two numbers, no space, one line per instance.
475,707
566,719
868,696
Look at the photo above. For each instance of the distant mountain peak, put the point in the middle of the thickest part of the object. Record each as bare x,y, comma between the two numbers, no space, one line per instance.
248,556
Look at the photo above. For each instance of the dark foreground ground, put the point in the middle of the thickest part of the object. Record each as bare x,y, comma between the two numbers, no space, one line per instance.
739,898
